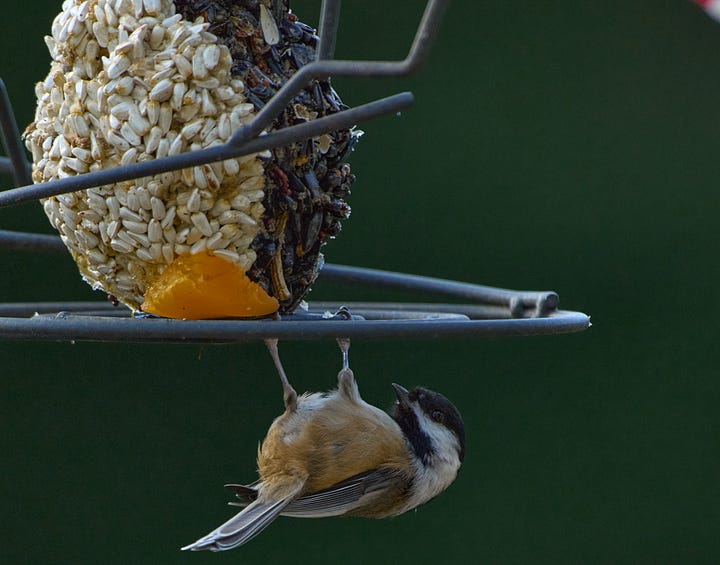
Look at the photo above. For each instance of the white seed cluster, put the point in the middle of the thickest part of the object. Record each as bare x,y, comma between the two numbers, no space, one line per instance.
132,81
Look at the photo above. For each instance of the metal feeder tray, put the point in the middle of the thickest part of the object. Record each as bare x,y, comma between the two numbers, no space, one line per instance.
491,312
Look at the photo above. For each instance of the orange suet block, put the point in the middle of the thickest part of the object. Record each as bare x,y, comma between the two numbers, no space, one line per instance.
203,286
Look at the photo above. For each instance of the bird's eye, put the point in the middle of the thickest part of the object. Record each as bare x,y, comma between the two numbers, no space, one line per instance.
438,416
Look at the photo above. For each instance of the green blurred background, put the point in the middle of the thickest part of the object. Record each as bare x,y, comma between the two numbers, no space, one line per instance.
559,145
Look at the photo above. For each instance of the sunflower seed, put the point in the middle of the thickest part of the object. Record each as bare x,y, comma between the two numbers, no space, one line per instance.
69,216
140,238
178,94
114,138
193,236
269,27
168,252
223,127
169,234
231,166
144,255
207,106
200,221
82,154
193,203
152,111
216,241
152,7
231,255
165,118
129,134
154,230
88,239
121,246
181,249
236,217
112,229
118,65
169,217
166,72
152,140
156,37
211,83
96,256
77,165
157,207
79,125
129,215
224,93
114,207
211,178
189,131
171,21
163,148
129,157
162,91
133,204
183,66
240,202
177,146
198,247
137,123
211,56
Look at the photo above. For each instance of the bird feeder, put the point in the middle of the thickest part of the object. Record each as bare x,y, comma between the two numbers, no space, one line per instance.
174,140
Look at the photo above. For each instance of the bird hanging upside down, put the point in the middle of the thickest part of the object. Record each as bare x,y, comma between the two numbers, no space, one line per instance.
333,454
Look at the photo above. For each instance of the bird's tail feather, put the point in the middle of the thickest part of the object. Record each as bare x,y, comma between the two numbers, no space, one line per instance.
242,527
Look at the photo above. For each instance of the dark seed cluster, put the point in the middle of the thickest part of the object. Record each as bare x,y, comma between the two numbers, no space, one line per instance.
306,183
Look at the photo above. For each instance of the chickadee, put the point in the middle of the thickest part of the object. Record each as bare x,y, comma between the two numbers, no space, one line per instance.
333,454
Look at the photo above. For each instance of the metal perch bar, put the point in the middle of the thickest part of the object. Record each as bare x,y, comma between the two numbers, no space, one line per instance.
66,326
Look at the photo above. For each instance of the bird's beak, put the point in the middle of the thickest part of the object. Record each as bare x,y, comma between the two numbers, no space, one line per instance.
402,395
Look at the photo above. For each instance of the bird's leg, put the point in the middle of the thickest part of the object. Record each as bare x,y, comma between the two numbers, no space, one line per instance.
289,394
346,378
344,344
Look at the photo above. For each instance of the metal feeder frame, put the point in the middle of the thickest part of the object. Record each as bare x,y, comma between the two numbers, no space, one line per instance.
490,312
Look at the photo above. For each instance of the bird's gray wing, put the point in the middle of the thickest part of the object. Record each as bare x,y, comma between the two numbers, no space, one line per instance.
345,496
241,528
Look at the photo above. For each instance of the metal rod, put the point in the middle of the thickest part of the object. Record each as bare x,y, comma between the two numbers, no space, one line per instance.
340,120
366,310
329,21
321,69
11,140
426,33
87,328
516,301
21,241
6,166
471,311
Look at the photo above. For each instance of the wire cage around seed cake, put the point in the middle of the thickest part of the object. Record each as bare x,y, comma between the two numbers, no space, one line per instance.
475,309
